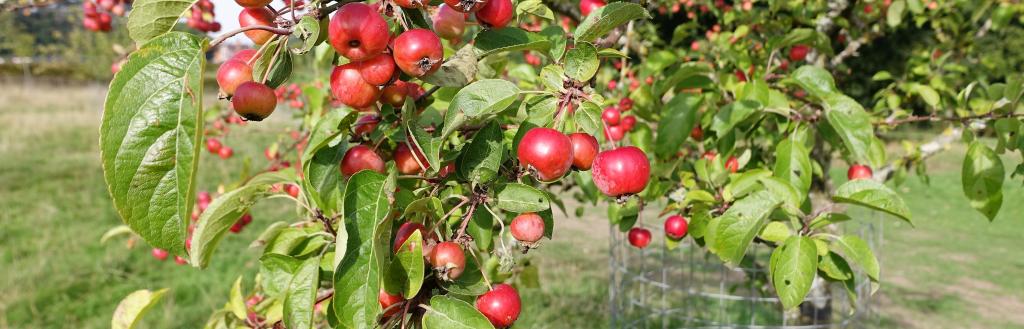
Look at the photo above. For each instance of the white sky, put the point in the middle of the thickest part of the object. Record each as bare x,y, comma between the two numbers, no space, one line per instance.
226,12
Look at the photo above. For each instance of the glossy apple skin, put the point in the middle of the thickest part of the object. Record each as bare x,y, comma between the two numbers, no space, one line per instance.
527,227
418,52
386,300
254,101
257,16
546,150
628,122
798,53
348,87
611,116
449,23
676,227
252,3
501,305
232,74
495,14
377,70
406,230
859,171
405,162
449,256
160,254
584,149
697,133
395,93
732,164
366,124
588,6
614,133
465,6
358,32
621,171
639,237
361,157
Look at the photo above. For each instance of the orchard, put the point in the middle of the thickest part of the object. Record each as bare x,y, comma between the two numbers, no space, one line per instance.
434,141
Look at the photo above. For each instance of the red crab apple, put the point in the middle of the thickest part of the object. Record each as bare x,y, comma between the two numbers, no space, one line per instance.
388,300
395,93
614,133
225,152
358,32
257,16
254,101
366,124
160,254
449,23
418,52
292,190
448,258
377,70
213,145
465,6
621,171
359,158
732,164
348,86
446,170
253,3
625,104
547,151
232,74
495,14
584,149
611,116
527,228
628,122
180,261
588,6
407,165
406,230
675,227
697,133
798,53
639,237
859,171
501,305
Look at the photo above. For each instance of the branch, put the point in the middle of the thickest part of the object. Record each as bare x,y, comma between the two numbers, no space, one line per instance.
936,118
229,34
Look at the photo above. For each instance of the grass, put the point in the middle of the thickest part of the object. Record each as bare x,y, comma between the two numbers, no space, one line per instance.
954,270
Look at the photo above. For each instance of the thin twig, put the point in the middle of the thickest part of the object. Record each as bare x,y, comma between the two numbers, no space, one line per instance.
229,34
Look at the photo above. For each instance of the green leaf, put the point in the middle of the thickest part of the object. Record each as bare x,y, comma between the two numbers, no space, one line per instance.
853,125
731,115
792,267
793,164
429,145
815,80
480,160
519,198
308,30
481,228
611,53
558,38
133,307
776,232
835,267
418,18
407,268
581,62
301,297
226,209
733,232
449,313
874,195
607,18
857,250
536,8
357,278
677,120
700,215
150,137
478,100
588,118
150,19
236,303
276,271
282,68
827,219
983,176
928,94
321,158
894,16
493,41
457,71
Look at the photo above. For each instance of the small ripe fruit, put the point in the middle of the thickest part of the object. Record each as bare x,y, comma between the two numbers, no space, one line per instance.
697,133
237,227
501,305
798,53
709,155
621,171
584,149
411,3
366,124
614,133
466,6
625,104
225,152
213,145
449,23
588,6
628,122
160,254
547,151
859,171
611,116
292,190
257,16
675,227
395,93
231,74
387,300
639,237
358,32
180,261
406,230
448,258
418,52
407,165
377,70
253,3
359,158
732,164
446,170
495,14
348,86
254,101
203,197
527,228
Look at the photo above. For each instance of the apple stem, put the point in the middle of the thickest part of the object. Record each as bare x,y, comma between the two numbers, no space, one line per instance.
229,34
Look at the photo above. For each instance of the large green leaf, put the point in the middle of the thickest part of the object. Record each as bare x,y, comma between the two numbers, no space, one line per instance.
793,164
588,118
133,307
492,41
607,18
856,250
226,209
301,297
521,198
151,18
733,232
357,278
792,266
276,272
815,80
477,100
406,272
150,137
853,125
457,71
874,195
677,120
983,176
321,158
450,313
581,62
480,160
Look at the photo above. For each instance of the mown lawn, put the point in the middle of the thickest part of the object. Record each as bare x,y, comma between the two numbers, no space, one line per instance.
954,270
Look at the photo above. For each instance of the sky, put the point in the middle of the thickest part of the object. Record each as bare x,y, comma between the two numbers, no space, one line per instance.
226,12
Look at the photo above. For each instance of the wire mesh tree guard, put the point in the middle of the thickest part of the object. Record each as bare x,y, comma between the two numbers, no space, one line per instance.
690,288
